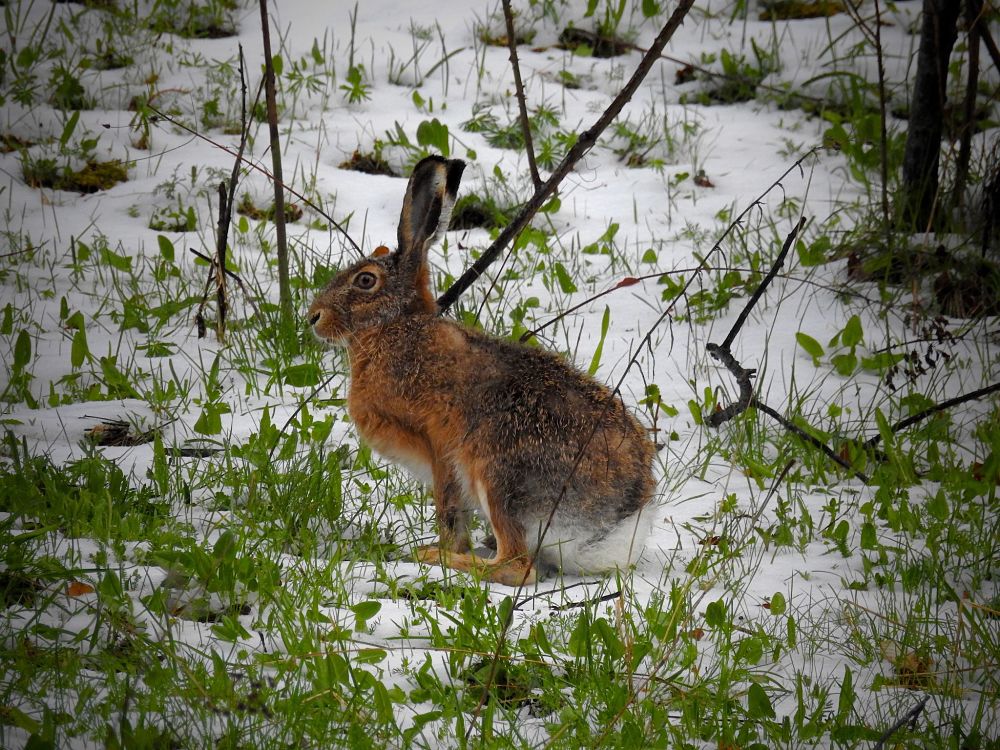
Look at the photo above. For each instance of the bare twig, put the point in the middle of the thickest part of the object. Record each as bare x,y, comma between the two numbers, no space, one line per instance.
722,353
587,602
226,215
221,303
235,277
921,415
991,45
778,263
18,252
307,400
629,281
522,105
538,595
226,200
742,79
813,441
873,32
626,282
281,241
910,717
973,25
583,144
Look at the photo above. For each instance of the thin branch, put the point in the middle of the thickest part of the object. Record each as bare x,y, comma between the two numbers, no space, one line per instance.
225,221
225,212
584,143
921,415
873,32
814,441
235,277
991,46
742,375
910,717
588,602
257,167
778,263
18,252
973,15
302,404
540,594
226,200
723,354
631,280
522,105
281,241
746,80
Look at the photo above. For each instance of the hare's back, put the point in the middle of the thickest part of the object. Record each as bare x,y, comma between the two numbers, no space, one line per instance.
548,424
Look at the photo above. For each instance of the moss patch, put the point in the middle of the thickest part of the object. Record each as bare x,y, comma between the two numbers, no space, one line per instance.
471,211
791,10
94,176
10,143
583,42
246,206
368,164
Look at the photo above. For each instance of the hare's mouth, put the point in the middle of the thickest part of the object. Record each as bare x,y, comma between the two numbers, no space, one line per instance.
330,335
326,329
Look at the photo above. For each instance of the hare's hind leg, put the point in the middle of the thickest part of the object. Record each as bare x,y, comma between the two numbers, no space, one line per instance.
512,564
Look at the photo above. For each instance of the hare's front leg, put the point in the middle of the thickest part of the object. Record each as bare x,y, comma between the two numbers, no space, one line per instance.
452,515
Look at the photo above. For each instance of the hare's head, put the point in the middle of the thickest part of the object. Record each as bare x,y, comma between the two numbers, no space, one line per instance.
389,284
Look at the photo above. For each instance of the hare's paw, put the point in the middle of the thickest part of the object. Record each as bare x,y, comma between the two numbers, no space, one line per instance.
512,572
517,572
438,554
430,554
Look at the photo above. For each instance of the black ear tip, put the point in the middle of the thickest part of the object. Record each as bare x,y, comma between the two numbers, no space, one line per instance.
455,169
428,160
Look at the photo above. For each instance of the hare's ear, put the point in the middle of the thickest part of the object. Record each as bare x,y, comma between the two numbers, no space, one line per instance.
430,196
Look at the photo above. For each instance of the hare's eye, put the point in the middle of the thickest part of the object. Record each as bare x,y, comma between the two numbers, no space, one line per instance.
365,280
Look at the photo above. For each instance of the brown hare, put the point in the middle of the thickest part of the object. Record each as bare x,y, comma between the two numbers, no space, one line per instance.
549,456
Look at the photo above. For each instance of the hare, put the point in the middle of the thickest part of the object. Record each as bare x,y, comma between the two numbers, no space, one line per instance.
549,456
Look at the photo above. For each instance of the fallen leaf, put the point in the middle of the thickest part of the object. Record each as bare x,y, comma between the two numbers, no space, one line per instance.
627,281
77,588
